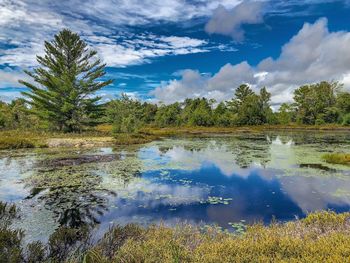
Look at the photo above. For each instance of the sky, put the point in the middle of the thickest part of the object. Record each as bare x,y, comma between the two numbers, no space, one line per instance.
168,50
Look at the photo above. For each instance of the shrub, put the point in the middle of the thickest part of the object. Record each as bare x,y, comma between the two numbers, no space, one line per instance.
346,120
15,143
337,158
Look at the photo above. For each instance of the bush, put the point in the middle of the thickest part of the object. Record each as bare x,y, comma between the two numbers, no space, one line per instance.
337,158
346,120
15,143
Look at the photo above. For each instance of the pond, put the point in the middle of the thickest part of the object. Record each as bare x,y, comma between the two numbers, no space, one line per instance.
224,180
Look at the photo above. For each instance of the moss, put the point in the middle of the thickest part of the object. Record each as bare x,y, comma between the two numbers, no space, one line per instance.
337,158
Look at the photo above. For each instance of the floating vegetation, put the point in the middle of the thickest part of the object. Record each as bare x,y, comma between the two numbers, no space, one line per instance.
215,200
183,181
66,177
78,160
239,227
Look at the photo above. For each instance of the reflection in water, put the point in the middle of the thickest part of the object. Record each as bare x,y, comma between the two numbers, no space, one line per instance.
218,179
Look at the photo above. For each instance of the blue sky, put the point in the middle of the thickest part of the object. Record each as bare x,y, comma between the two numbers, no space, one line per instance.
167,50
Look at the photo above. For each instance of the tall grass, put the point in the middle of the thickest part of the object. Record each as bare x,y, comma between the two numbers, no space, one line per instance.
337,158
320,237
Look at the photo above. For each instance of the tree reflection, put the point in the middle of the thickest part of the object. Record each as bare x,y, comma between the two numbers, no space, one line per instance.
75,193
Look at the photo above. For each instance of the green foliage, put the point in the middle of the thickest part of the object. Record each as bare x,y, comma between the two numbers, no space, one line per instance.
222,116
197,112
346,119
168,115
343,102
241,94
128,115
15,115
320,103
316,102
67,77
252,109
285,114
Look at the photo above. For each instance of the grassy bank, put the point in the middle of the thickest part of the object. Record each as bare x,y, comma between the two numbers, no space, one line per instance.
260,128
102,135
321,237
337,158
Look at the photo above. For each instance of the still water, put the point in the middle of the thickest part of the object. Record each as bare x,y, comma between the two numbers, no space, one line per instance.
223,180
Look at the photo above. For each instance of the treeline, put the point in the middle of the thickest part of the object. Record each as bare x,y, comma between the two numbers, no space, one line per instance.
314,104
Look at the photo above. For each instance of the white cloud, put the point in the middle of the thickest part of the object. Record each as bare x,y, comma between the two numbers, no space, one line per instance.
313,54
27,24
10,77
140,49
229,22
138,12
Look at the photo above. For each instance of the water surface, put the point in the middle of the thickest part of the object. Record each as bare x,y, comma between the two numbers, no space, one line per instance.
221,180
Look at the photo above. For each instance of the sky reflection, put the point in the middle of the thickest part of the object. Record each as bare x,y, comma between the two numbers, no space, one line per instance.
223,179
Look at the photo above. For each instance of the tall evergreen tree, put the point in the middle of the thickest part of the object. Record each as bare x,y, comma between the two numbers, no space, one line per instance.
241,94
68,76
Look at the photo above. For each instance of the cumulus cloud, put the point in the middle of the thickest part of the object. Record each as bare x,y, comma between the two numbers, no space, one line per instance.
313,54
229,22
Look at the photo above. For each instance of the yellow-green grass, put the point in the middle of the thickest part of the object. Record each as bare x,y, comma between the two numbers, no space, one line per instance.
16,139
321,237
138,138
337,158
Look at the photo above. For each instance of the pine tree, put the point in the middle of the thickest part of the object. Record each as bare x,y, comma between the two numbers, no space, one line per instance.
69,75
241,94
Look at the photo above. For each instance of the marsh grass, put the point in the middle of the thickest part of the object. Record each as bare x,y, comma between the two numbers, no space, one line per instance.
320,237
102,135
137,138
19,142
337,158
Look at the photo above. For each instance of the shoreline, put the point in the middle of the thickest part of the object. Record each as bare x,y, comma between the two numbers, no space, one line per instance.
102,136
